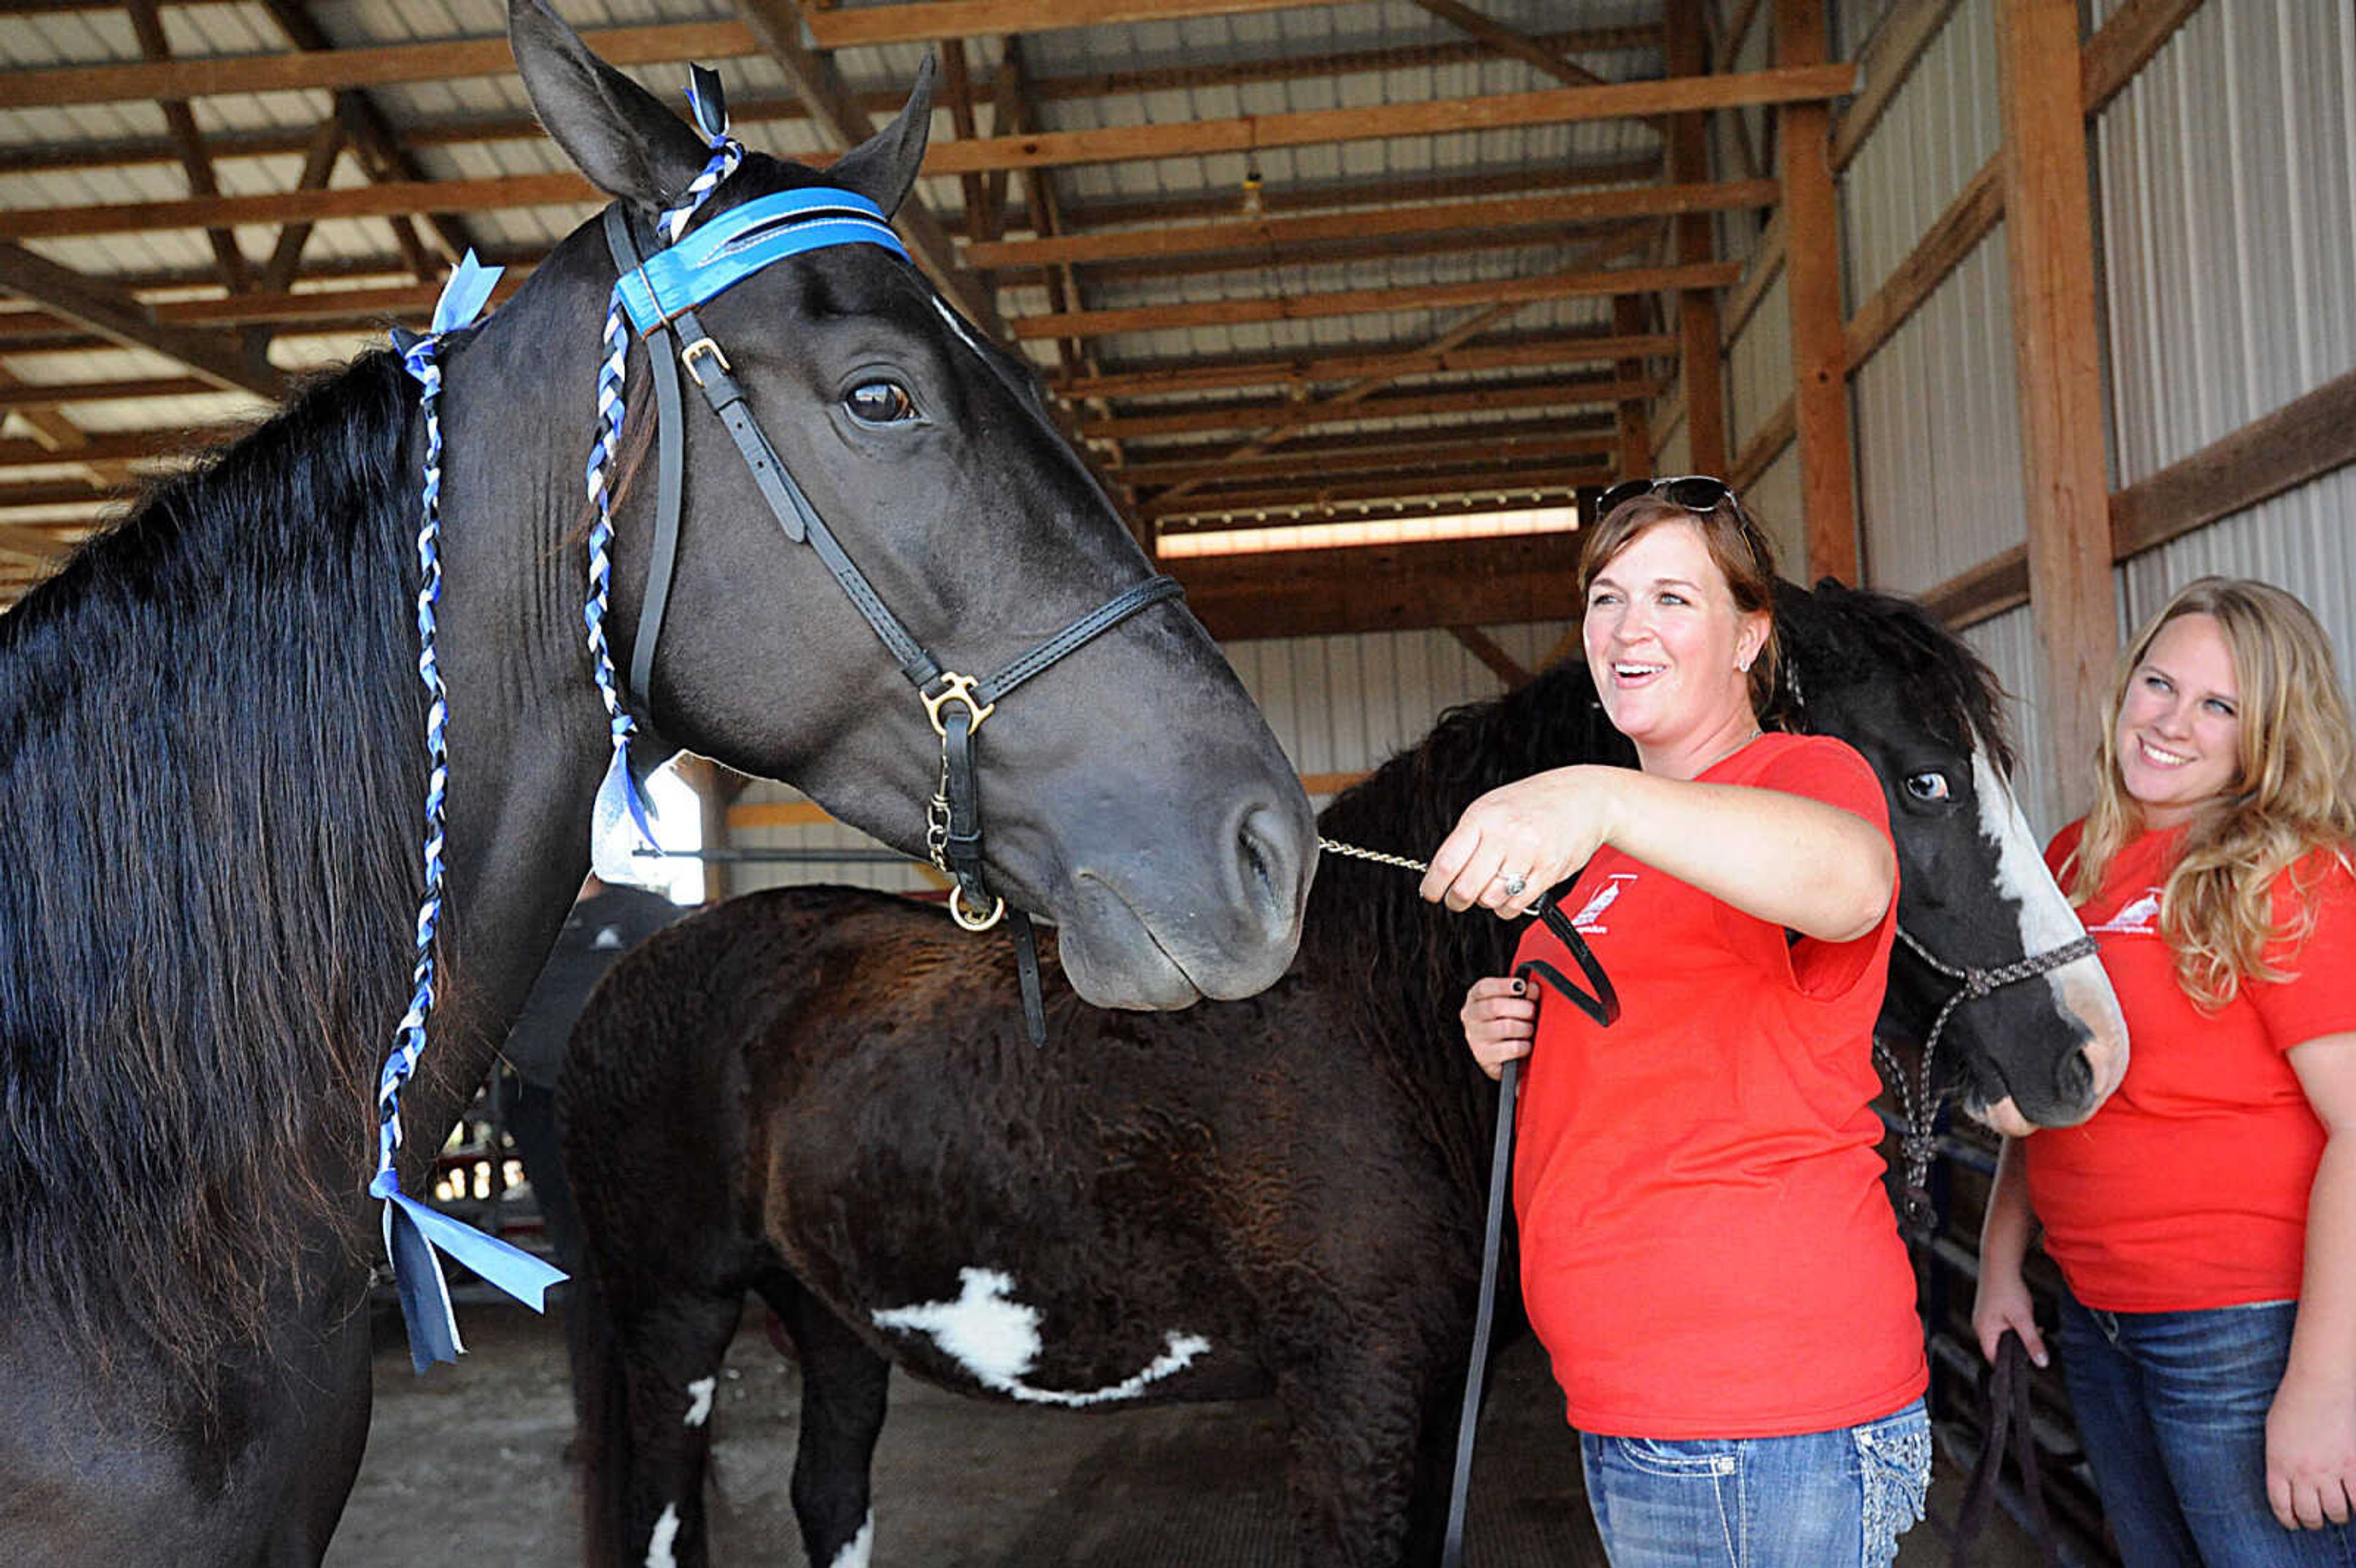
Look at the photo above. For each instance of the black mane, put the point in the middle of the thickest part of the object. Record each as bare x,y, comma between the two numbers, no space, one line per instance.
1838,637
208,742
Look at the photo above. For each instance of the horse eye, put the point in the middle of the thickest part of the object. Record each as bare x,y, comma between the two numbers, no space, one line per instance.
1929,784
880,402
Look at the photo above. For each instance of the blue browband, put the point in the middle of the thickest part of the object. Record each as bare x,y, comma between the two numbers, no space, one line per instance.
744,240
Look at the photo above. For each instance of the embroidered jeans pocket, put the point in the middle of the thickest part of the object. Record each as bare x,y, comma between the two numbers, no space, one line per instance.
1893,1458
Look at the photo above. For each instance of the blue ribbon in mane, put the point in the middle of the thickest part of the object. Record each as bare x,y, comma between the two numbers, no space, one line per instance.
413,1230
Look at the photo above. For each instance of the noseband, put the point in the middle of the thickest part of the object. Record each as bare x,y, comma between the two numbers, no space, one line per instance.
661,288
1916,1096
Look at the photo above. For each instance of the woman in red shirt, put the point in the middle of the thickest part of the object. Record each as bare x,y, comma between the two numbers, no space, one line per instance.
2204,1219
1707,1252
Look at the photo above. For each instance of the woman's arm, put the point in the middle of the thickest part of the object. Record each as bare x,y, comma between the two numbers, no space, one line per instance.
1780,858
2311,1428
2002,1301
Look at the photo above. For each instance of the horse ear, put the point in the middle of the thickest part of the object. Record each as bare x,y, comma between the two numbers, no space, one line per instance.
613,130
883,167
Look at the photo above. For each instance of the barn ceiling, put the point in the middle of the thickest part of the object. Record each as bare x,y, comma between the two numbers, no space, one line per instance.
1278,263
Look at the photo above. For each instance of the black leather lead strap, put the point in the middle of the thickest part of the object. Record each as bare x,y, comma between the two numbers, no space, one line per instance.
1026,970
2007,1409
1476,1372
962,847
1604,1007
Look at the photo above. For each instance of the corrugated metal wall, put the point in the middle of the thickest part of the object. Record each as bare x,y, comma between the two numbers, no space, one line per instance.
1337,705
1759,365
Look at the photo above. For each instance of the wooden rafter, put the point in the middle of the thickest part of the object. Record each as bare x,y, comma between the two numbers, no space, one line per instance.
1322,493
1436,450
1507,40
1265,418
1295,371
196,163
1485,647
121,319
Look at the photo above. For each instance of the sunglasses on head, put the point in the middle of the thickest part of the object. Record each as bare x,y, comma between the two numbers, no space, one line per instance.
1694,492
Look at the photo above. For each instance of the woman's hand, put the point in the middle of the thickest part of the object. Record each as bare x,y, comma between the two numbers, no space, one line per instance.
2002,1302
2311,1455
1500,1021
1539,830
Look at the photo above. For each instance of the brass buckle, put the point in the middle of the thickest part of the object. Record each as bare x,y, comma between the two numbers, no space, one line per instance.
973,922
702,346
955,688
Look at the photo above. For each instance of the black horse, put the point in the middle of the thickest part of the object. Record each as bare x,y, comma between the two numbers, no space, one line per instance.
210,724
815,1093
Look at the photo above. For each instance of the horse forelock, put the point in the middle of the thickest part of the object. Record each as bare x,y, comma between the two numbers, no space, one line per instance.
1854,636
207,737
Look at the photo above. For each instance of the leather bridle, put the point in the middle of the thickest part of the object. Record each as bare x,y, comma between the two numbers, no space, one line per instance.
956,704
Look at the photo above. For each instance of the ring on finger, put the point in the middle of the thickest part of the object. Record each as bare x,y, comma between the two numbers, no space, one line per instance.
1514,884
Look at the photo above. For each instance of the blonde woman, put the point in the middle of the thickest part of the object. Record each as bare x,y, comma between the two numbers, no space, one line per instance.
2204,1220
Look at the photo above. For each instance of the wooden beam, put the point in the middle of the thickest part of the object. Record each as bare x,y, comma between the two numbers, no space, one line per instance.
2124,43
1887,61
1381,588
1701,348
1317,127
318,168
30,544
18,396
197,163
1812,278
1766,443
1267,236
121,320
1483,647
1632,415
121,447
1541,443
1561,394
1505,40
1388,508
1759,275
1987,590
561,188
927,21
1294,370
2057,359
2303,440
1324,492
1968,220
1575,284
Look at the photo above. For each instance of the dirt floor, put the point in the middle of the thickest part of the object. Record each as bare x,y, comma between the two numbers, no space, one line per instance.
467,1464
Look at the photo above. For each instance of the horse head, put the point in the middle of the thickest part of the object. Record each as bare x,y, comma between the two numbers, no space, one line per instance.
2039,1046
1134,794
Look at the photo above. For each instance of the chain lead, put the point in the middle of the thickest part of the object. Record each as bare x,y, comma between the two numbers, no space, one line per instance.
1335,846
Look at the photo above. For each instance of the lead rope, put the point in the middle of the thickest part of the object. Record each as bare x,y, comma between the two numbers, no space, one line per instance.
1604,1007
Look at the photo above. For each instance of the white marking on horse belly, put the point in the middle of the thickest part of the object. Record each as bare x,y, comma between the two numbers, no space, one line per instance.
855,1550
701,1411
996,1340
666,1531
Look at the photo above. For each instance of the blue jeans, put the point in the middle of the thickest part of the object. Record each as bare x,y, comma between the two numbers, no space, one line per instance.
2172,1410
1825,1499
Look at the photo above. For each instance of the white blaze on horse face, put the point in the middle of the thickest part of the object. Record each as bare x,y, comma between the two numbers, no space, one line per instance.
996,1340
700,1390
2047,922
855,1550
666,1531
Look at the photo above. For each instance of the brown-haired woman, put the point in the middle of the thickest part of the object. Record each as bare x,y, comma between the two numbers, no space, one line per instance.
1706,1250
2204,1220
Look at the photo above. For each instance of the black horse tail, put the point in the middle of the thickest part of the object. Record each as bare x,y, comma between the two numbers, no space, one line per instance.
601,1420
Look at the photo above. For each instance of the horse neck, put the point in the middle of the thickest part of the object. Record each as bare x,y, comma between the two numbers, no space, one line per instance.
528,735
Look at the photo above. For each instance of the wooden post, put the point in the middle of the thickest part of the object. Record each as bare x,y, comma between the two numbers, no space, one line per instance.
1812,274
2057,361
715,788
1633,423
1699,346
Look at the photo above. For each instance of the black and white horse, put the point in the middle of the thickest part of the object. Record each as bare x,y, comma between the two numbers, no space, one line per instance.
818,1094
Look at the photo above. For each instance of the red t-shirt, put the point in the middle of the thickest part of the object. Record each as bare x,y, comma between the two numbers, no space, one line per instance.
1707,1248
2188,1189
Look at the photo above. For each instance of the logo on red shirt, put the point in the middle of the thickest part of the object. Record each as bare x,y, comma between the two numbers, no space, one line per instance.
2139,917
1588,920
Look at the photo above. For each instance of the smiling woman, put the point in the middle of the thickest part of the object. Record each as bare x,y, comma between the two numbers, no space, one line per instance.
1698,1192
2209,1332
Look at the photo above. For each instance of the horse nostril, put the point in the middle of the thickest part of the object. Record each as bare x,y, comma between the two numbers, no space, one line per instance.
2073,1079
1267,860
